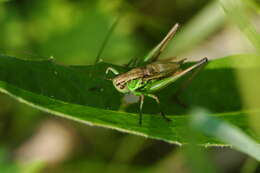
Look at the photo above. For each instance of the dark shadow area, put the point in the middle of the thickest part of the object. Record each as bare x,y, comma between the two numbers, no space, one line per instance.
84,85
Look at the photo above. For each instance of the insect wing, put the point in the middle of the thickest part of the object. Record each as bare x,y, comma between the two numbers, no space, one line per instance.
158,85
160,70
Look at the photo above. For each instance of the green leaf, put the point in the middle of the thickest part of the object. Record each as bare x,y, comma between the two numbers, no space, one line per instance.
236,12
82,93
225,132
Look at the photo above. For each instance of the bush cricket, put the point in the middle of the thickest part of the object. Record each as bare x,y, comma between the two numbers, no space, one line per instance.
152,75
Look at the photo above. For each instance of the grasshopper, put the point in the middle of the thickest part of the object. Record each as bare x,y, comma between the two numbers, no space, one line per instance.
152,75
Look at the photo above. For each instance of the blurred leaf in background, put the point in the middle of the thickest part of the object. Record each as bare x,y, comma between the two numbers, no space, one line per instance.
70,31
249,86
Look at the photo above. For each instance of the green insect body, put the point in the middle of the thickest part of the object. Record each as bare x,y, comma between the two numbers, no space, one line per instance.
135,85
153,75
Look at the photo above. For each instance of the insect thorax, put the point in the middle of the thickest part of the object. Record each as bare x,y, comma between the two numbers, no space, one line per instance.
135,84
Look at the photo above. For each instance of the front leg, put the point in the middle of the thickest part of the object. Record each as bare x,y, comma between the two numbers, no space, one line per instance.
141,109
112,70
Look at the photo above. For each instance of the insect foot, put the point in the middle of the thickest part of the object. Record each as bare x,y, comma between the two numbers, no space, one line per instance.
164,117
112,70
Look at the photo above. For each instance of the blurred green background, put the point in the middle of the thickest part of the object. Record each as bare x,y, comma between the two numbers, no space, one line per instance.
72,32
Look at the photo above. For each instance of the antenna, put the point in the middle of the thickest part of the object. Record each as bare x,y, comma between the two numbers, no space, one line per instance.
111,29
